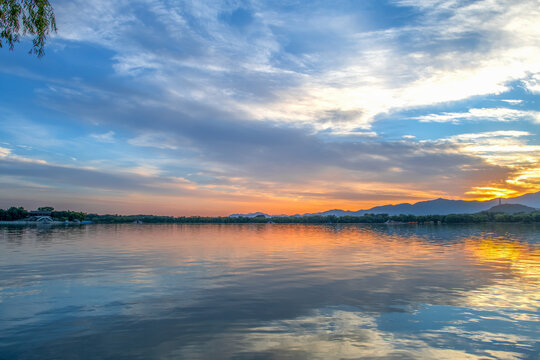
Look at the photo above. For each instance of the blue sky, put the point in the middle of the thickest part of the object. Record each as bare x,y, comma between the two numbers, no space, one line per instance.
214,107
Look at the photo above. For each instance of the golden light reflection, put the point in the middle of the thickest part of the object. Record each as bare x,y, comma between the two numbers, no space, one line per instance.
519,291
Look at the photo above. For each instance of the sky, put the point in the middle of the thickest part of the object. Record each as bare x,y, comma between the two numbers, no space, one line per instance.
219,107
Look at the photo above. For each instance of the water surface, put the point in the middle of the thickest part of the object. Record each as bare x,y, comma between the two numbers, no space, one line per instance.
262,291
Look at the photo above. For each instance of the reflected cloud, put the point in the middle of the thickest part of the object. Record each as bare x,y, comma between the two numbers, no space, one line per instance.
270,291
347,334
521,261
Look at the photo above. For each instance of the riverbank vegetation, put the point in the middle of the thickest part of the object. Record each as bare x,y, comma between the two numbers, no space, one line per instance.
19,213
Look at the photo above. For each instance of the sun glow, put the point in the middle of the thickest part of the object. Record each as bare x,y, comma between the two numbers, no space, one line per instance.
523,181
488,193
505,149
526,177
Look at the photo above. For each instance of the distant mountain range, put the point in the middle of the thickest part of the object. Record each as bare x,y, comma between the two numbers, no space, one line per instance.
430,207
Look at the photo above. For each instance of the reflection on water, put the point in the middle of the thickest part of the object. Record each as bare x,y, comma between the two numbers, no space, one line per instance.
270,292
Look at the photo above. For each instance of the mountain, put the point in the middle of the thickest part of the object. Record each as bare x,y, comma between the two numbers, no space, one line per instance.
255,214
336,212
511,209
443,206
531,199
251,215
431,207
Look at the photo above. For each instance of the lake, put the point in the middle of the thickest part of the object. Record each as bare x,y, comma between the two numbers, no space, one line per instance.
268,291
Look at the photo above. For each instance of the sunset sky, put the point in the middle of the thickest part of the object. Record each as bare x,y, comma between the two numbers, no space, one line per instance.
218,107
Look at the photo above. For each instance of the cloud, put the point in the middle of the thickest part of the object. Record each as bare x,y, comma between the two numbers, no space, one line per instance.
489,134
72,176
443,59
160,141
4,152
285,100
483,114
453,51
513,101
121,190
267,150
189,54
244,161
533,83
107,137
525,178
351,194
509,148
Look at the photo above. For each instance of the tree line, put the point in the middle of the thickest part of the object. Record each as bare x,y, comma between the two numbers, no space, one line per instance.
320,219
19,213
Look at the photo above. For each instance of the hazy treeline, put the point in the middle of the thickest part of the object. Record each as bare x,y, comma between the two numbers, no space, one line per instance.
319,219
19,213
118,219
13,213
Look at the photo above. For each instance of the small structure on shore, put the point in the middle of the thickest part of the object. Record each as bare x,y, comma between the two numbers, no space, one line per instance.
42,215
392,222
39,212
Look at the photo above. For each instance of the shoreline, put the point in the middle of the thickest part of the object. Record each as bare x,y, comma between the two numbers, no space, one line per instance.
390,225
37,223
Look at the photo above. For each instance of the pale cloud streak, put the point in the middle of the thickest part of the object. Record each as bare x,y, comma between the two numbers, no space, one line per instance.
533,83
107,137
508,148
4,152
487,114
156,140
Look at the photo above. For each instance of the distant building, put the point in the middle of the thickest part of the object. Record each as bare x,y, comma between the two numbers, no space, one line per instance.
40,213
